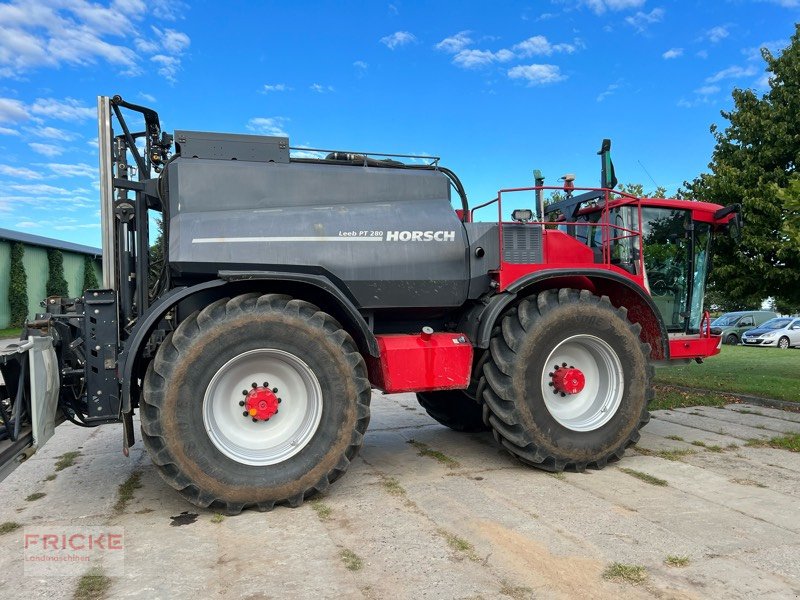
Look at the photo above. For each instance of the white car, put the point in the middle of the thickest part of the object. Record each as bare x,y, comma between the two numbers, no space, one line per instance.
781,332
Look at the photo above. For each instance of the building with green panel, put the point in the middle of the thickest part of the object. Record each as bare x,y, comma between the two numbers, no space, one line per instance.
37,268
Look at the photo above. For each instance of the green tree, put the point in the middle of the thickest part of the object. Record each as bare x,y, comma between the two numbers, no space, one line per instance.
56,284
89,276
637,189
754,163
18,286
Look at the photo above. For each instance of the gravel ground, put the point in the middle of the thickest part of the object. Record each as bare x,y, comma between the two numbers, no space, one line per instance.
469,522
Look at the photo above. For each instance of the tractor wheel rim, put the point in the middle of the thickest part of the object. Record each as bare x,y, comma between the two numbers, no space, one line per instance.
286,433
601,396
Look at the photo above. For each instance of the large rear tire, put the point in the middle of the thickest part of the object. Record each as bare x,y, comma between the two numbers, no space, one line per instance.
217,454
585,419
454,409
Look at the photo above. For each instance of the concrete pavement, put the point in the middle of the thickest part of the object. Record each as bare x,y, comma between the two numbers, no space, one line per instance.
402,524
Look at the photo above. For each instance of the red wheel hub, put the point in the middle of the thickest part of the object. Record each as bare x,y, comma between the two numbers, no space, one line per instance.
261,403
568,380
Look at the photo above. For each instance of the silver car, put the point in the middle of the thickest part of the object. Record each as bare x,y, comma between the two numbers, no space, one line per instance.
781,332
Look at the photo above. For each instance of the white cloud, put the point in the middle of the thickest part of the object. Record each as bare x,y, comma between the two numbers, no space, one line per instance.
321,89
608,92
168,66
537,74
786,3
268,126
397,39
147,97
76,226
169,10
48,150
41,189
538,45
8,131
601,6
774,47
672,53
306,154
734,72
174,42
361,66
73,170
470,59
68,109
51,33
763,82
52,133
275,87
12,111
623,4
641,20
717,34
455,43
707,90
19,172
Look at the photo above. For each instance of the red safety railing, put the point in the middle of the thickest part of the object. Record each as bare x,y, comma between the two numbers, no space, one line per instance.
610,232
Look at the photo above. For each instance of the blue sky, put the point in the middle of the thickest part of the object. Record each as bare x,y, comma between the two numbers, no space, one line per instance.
495,89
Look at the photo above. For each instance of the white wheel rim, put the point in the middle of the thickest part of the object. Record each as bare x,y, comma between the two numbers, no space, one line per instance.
783,343
601,396
263,442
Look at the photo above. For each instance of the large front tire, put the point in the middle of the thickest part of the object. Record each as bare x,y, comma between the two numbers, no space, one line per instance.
586,419
214,453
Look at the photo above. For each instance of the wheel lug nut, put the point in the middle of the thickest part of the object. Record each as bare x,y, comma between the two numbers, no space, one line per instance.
274,390
550,384
266,384
241,402
563,394
563,364
245,414
255,420
245,392
254,384
550,374
279,400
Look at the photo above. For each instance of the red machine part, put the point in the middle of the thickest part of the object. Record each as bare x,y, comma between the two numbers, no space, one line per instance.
568,380
698,347
421,362
261,403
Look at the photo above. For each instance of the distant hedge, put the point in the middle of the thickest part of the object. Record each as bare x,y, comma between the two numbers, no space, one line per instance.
56,283
89,276
18,286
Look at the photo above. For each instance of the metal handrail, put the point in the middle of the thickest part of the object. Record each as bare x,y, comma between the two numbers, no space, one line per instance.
434,160
607,228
